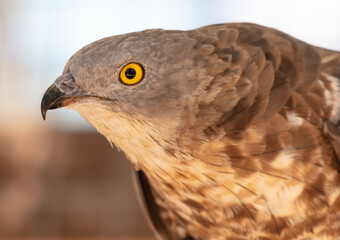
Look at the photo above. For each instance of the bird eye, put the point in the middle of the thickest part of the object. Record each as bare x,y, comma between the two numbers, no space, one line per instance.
131,74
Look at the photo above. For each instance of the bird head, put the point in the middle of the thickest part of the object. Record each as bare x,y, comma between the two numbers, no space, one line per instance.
136,85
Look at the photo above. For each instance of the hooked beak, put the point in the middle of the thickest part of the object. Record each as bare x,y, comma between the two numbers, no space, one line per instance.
60,94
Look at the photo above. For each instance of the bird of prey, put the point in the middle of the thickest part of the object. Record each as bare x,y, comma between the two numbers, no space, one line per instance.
233,129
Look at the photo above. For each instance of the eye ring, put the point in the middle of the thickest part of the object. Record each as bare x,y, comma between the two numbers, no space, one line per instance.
131,74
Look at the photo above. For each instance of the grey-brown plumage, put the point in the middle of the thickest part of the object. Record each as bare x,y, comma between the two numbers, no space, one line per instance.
233,129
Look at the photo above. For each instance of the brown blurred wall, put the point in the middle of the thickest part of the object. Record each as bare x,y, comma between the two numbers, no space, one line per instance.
66,184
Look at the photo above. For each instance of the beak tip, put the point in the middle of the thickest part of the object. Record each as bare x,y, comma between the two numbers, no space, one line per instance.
43,115
44,107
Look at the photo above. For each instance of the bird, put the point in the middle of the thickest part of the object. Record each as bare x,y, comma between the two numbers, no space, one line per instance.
233,129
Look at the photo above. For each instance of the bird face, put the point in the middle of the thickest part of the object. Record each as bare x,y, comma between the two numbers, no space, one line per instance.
147,77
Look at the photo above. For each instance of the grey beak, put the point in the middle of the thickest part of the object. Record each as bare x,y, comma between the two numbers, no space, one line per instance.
60,94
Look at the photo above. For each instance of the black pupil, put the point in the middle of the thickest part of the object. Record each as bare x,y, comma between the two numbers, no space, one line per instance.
130,73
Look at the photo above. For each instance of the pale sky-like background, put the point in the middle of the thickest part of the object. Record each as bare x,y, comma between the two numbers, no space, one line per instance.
37,37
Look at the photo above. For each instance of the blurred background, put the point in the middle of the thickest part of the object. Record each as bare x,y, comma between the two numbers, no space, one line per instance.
60,179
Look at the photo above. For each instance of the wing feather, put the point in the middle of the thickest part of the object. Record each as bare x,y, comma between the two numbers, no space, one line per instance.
152,209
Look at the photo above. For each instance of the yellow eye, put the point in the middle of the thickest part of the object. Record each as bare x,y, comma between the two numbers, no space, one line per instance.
131,74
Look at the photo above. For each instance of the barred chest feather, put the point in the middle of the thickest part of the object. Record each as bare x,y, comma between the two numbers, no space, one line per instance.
277,185
275,180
